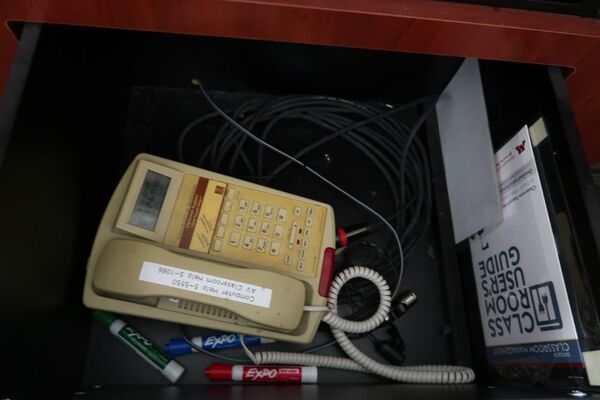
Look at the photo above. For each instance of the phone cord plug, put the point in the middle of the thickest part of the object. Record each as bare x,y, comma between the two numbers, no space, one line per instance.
344,235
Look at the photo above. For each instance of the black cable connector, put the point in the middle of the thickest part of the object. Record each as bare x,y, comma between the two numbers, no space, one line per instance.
393,346
402,304
392,351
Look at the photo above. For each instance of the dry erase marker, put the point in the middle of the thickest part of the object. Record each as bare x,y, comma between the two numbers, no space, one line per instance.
261,373
171,369
179,346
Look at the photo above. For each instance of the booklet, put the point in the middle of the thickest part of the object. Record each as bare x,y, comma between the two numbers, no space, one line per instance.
523,301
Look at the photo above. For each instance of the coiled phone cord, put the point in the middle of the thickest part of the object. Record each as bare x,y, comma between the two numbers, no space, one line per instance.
358,361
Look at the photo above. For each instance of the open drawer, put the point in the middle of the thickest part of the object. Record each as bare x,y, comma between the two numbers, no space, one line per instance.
94,99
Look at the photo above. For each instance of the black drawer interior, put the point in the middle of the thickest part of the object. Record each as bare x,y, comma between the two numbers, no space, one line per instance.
95,98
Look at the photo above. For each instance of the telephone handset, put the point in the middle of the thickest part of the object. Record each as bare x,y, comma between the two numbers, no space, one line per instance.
187,245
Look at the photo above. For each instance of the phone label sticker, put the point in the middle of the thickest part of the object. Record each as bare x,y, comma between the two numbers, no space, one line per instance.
209,285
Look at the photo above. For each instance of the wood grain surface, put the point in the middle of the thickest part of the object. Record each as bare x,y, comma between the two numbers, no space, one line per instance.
421,26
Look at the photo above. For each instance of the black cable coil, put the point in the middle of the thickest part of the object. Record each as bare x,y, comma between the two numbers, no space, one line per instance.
375,130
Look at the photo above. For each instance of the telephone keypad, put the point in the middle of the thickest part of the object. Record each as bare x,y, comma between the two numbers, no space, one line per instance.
266,229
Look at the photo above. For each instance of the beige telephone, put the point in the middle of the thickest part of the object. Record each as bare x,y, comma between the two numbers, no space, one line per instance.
182,244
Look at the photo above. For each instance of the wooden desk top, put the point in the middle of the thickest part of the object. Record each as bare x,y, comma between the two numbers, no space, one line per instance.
420,26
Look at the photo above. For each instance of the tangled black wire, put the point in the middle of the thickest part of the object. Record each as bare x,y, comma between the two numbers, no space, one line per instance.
393,147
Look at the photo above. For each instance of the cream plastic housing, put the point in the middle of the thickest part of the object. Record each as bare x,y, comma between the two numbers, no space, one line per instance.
125,252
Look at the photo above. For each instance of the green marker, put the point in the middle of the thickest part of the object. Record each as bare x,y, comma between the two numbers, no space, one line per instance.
142,346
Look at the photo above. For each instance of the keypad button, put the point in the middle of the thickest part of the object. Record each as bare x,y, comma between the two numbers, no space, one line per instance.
300,266
256,207
297,211
217,245
307,232
281,215
293,235
231,192
234,239
227,205
302,254
310,211
261,246
221,231
252,225
269,212
239,222
287,260
278,233
224,219
275,248
265,228
244,204
305,243
308,221
248,242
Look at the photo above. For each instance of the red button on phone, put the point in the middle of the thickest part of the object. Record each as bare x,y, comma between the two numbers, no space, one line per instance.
326,271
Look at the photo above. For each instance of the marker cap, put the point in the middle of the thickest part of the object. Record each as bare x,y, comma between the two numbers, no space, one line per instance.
173,371
219,372
177,347
104,317
310,375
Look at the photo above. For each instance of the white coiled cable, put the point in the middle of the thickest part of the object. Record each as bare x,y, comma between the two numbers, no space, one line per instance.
358,361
